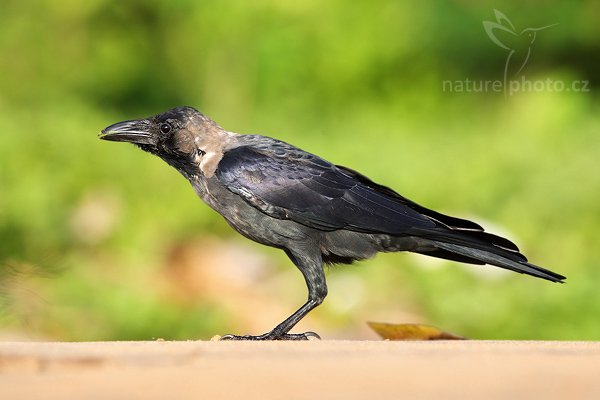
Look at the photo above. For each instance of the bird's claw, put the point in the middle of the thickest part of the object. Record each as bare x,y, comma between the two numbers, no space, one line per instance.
274,336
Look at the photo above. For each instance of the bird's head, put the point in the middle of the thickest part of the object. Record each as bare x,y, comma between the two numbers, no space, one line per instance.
183,137
529,34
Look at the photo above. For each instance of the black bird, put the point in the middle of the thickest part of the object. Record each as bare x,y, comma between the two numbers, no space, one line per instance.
317,212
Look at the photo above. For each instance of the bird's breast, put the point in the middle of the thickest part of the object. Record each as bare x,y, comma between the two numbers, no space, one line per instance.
245,219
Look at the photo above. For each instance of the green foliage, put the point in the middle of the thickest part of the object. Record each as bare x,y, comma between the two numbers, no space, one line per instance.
84,223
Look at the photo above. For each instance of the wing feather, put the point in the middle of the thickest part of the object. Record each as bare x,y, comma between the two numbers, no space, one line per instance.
296,185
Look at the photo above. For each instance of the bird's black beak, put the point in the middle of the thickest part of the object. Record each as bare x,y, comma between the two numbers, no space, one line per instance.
135,131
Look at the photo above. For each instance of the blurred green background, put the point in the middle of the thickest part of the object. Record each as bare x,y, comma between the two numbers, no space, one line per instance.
100,241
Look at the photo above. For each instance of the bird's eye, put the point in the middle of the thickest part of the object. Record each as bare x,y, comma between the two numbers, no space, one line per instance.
165,127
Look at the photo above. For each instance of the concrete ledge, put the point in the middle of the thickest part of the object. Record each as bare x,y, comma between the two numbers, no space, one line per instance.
303,370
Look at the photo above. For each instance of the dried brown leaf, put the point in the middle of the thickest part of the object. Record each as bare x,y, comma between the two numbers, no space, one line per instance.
411,332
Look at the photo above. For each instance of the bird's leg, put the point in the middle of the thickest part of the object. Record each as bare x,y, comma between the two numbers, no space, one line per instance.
312,270
280,332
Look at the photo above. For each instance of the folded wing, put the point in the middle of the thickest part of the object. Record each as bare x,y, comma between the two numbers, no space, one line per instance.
296,185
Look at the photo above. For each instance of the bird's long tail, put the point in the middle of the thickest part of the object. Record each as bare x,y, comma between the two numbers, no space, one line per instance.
477,247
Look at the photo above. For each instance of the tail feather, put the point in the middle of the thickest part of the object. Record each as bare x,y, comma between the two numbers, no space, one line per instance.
488,257
478,247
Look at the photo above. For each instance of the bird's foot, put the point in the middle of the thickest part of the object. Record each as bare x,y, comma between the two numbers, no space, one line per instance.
274,336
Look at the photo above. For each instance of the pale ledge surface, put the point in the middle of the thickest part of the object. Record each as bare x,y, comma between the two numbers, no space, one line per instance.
300,370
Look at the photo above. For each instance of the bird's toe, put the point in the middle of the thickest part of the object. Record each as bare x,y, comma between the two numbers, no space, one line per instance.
272,336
